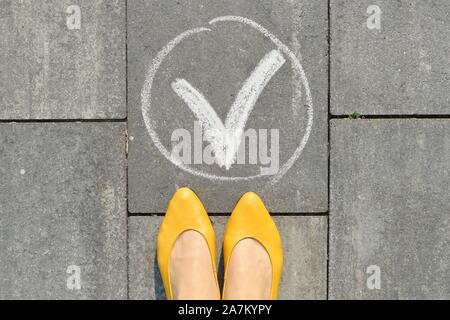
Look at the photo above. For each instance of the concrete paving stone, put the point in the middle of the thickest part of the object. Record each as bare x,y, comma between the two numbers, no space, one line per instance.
305,257
217,63
390,209
53,67
62,211
401,68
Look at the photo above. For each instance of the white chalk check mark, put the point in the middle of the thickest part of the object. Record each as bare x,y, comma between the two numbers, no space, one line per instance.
226,138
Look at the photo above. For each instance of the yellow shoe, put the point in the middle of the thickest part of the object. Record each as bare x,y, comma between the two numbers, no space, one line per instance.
185,213
251,220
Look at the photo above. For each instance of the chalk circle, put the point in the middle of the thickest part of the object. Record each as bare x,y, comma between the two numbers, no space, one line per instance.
146,96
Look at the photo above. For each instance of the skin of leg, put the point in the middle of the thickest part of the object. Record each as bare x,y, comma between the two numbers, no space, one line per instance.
249,275
191,269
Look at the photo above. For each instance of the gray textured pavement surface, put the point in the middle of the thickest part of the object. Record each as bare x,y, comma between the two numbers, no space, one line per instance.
401,68
63,204
217,63
51,70
304,244
390,208
77,160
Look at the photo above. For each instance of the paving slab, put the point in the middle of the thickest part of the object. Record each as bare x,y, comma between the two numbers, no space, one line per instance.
171,60
304,245
390,209
390,57
63,211
62,59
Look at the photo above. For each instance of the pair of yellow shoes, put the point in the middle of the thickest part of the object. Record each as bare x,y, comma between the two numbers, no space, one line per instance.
249,220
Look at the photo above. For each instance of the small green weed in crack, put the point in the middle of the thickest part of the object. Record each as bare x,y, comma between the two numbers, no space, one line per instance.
355,115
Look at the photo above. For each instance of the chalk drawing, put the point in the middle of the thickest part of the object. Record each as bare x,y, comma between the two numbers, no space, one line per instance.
225,137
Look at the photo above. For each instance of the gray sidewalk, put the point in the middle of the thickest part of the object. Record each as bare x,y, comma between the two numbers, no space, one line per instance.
348,107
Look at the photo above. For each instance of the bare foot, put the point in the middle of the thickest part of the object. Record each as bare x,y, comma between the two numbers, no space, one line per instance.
191,269
249,275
